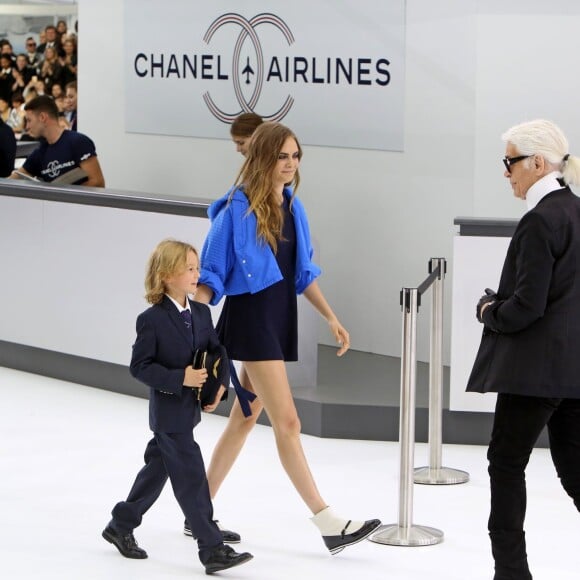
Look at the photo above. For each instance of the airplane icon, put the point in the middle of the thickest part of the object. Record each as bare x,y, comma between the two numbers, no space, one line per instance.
248,70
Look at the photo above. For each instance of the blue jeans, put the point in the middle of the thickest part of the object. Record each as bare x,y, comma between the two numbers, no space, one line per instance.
518,422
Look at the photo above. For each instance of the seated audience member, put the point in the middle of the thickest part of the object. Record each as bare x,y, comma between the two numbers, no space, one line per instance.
7,149
6,48
33,57
60,151
5,109
22,73
6,77
56,91
29,94
34,88
51,70
61,106
242,129
71,105
16,118
69,60
61,29
51,41
19,84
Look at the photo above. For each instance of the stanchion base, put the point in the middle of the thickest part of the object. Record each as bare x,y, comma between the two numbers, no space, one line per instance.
394,535
441,476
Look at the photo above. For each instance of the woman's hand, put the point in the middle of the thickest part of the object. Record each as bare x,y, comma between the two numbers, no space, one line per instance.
212,406
341,335
314,295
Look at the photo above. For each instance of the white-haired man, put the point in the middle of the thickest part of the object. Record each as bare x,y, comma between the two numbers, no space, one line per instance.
530,349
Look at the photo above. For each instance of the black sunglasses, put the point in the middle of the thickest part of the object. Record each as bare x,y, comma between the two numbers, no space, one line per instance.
509,161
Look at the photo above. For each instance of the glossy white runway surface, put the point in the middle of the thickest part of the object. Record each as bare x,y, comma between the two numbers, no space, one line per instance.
69,452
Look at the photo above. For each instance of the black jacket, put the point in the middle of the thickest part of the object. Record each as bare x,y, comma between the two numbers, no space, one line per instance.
531,337
162,350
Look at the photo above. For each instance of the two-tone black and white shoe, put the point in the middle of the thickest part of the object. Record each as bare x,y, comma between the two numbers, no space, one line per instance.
336,544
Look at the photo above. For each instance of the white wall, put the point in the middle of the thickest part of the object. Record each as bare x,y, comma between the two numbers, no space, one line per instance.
473,69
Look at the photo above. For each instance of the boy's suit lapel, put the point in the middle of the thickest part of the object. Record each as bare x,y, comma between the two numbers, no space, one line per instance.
177,320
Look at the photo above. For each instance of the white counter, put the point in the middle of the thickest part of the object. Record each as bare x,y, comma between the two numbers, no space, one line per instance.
73,271
477,263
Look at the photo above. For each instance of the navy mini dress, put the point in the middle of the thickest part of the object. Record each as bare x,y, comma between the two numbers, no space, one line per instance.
264,325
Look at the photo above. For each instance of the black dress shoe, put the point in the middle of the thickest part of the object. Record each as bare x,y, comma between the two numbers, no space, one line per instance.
224,557
125,544
338,543
228,537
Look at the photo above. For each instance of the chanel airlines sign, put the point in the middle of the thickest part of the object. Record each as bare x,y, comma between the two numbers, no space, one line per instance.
332,71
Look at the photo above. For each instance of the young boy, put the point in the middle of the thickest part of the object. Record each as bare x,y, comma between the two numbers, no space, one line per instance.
168,333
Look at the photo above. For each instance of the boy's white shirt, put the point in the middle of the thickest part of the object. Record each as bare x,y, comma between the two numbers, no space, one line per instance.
178,306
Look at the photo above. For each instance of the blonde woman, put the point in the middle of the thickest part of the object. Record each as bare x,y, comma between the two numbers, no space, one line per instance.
258,254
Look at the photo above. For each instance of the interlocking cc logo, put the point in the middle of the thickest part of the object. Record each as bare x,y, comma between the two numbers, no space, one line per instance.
248,30
53,169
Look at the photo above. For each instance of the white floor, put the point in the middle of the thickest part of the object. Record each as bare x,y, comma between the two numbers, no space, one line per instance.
69,452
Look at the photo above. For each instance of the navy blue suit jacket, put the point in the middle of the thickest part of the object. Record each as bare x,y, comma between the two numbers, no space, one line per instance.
163,348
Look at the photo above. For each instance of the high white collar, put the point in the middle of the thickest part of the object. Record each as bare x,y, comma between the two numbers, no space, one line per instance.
541,188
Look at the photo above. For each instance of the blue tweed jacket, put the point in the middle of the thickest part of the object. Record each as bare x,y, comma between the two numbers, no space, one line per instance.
233,259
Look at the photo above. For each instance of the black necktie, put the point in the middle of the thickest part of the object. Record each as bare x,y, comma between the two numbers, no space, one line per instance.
186,315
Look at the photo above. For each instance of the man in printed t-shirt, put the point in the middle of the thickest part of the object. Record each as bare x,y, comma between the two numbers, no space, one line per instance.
60,151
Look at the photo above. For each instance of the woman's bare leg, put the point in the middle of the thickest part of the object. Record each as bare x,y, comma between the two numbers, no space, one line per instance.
270,383
232,439
268,379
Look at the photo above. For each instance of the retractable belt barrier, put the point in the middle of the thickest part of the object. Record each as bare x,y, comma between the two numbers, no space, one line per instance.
404,533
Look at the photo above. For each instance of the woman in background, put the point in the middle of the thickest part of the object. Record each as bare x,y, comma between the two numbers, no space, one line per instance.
242,129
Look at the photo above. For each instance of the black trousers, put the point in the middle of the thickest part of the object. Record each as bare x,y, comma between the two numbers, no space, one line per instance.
518,423
177,456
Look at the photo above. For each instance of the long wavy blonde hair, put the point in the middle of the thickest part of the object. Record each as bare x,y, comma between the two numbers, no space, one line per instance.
168,258
255,178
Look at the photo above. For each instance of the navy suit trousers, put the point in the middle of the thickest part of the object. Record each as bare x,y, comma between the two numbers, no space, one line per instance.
177,456
518,422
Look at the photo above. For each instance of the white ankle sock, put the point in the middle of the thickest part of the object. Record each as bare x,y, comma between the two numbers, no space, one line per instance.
330,524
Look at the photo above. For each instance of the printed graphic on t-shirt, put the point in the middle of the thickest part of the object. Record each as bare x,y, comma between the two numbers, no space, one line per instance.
54,168
50,162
